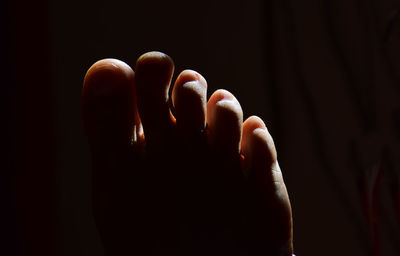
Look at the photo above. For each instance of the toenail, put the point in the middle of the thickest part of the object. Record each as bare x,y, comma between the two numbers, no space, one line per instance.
109,64
189,76
105,77
150,57
222,94
156,54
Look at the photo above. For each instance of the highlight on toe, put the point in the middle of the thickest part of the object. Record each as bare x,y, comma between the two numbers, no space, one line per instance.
255,137
224,119
189,96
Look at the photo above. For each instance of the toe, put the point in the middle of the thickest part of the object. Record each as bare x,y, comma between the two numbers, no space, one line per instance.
271,211
189,97
109,103
224,118
110,117
154,72
256,138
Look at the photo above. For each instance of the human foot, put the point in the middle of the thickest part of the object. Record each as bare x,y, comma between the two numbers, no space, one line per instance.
163,182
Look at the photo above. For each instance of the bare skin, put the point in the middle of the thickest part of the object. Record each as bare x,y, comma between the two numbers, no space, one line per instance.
164,182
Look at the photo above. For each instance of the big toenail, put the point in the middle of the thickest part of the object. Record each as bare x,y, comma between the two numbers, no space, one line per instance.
107,76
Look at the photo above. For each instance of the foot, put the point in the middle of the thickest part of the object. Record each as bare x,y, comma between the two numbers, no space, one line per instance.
180,176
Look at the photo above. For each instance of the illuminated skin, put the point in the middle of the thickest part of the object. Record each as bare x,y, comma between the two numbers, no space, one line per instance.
163,182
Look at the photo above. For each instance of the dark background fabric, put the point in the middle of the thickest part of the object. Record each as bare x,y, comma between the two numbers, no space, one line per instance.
324,75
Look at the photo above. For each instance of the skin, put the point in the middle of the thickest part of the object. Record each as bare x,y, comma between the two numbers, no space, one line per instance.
163,182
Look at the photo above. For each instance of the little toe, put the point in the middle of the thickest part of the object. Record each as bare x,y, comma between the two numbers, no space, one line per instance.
270,210
224,119
154,72
189,98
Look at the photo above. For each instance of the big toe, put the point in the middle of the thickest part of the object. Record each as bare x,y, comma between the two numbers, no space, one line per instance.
110,117
109,103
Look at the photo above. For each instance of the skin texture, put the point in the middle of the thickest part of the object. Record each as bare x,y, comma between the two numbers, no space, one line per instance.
167,184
